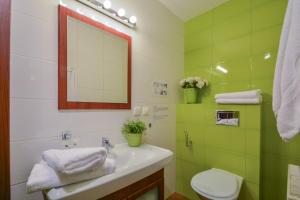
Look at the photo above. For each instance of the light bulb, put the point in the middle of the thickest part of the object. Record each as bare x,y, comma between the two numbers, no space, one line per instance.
133,19
107,4
121,12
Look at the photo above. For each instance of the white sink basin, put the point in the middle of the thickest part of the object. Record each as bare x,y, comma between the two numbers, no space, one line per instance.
133,164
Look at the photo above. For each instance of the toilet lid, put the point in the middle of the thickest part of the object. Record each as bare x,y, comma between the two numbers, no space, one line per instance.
215,183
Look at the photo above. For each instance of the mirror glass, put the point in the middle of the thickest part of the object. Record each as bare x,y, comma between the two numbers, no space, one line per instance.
97,64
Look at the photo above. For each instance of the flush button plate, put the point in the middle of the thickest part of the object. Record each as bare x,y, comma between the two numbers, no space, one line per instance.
227,118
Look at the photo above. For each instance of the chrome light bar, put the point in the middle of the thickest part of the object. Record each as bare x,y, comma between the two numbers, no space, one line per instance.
98,6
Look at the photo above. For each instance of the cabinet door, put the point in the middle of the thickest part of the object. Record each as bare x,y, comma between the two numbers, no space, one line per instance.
149,188
153,191
150,195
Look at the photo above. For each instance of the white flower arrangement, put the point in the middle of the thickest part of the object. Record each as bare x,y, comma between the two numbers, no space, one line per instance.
193,82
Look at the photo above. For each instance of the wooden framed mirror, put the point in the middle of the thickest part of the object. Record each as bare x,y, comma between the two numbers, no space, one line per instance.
94,69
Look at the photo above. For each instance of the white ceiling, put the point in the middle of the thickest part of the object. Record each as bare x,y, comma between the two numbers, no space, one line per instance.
187,9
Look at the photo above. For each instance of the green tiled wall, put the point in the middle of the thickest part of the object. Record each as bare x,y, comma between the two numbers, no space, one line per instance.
235,149
236,35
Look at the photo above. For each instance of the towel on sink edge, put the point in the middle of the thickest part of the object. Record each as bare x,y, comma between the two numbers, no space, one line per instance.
74,161
44,177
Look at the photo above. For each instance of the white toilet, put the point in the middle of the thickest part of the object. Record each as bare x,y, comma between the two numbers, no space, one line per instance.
217,184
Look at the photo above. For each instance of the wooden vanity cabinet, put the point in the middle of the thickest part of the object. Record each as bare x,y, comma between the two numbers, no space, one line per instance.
140,188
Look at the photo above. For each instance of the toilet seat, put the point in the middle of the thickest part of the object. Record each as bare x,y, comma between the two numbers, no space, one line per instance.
217,184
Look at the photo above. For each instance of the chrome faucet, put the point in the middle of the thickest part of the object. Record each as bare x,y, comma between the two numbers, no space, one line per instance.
106,143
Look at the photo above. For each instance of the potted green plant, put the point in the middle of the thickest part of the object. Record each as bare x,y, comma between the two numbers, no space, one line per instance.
191,87
133,131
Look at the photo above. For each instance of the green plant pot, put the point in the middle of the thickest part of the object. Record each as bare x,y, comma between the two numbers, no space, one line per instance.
190,95
134,140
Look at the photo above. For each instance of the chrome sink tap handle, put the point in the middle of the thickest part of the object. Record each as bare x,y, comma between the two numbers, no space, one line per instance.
106,143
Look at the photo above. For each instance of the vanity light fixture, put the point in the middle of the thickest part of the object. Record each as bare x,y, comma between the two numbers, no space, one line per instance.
107,4
121,12
105,8
133,19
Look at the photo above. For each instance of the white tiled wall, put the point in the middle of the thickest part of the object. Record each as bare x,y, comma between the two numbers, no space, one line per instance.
35,120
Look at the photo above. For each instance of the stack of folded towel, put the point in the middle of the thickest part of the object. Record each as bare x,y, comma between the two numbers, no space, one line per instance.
63,167
245,97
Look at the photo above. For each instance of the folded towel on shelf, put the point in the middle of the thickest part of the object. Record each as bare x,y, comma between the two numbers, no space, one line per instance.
257,100
74,161
44,177
251,94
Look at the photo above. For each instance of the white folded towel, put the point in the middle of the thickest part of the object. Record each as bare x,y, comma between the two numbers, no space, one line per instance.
256,100
286,90
44,177
74,161
251,94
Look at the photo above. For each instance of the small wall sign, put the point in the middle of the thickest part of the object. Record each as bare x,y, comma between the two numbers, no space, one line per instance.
160,88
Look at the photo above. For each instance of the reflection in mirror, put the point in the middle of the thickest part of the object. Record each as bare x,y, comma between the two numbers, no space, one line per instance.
97,64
